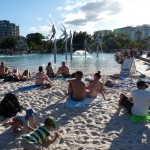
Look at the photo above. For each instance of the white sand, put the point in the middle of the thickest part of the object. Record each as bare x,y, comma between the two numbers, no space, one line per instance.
96,127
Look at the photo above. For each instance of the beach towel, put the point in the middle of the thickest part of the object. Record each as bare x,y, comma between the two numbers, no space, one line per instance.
125,84
29,87
86,101
137,119
74,104
95,101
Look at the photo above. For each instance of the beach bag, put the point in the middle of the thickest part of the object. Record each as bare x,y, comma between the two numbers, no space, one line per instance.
8,78
109,83
10,106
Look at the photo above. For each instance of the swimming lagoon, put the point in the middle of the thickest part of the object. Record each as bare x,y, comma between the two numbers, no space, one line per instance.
105,63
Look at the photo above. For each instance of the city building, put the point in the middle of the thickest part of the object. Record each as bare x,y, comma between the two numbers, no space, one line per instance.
8,29
135,33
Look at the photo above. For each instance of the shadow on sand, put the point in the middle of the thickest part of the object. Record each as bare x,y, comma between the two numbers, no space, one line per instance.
127,135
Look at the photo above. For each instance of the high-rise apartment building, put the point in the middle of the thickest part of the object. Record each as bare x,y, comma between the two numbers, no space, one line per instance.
8,29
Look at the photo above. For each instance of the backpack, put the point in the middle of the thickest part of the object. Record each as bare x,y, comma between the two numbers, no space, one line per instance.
10,106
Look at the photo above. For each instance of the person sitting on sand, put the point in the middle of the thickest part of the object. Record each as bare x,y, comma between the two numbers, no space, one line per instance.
42,135
4,70
95,87
23,121
50,72
139,102
77,88
63,70
42,78
21,77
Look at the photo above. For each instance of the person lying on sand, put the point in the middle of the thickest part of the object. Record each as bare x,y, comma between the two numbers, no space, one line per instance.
40,136
63,70
42,78
23,121
95,87
77,88
21,77
4,70
139,102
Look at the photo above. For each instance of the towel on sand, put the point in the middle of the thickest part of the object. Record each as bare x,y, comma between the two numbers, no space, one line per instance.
29,87
137,119
86,101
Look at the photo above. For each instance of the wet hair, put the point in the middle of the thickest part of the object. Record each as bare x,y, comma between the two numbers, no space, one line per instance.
2,63
141,84
49,63
63,62
40,69
98,74
79,73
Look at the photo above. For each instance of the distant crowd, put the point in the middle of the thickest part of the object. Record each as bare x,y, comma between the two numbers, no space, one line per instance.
127,54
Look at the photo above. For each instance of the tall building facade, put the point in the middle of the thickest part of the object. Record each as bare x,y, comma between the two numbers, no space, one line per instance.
8,29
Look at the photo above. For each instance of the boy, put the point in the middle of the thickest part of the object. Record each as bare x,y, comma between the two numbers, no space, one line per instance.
34,140
24,121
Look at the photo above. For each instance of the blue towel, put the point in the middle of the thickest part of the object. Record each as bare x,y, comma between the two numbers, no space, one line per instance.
74,104
29,87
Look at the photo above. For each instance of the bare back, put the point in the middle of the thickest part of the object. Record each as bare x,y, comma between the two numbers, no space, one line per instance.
79,89
94,88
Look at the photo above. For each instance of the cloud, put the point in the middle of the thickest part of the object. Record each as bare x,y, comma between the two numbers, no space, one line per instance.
93,12
39,19
39,29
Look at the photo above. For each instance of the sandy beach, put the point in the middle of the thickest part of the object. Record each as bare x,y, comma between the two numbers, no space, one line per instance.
103,125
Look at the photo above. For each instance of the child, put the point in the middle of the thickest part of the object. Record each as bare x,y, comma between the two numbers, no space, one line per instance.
24,121
34,140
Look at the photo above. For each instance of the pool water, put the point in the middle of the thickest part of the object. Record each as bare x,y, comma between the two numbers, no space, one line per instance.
105,63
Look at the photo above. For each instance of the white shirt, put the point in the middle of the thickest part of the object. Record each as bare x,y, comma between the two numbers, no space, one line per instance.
141,102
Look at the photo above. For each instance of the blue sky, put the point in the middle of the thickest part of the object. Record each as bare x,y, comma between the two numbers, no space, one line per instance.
81,15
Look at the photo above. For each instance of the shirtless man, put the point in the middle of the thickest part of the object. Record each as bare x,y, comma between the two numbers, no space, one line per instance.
64,70
4,70
42,78
95,87
77,88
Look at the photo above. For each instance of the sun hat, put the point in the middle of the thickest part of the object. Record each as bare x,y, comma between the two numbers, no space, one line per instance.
30,112
50,121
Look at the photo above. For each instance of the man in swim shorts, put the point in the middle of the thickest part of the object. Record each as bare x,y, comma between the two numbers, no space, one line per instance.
77,88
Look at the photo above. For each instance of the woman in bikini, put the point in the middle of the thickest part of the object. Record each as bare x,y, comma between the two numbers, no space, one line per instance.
95,87
42,78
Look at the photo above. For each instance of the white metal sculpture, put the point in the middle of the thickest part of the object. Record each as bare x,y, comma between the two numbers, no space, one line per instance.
98,43
52,36
65,37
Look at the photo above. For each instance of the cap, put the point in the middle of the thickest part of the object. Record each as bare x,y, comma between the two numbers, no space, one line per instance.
30,112
50,121
141,83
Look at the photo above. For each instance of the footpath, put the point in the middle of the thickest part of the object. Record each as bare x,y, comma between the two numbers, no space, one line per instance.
143,67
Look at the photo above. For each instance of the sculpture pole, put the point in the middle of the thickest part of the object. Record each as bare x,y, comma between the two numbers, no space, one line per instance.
55,50
85,45
97,43
66,49
71,45
65,34
97,50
